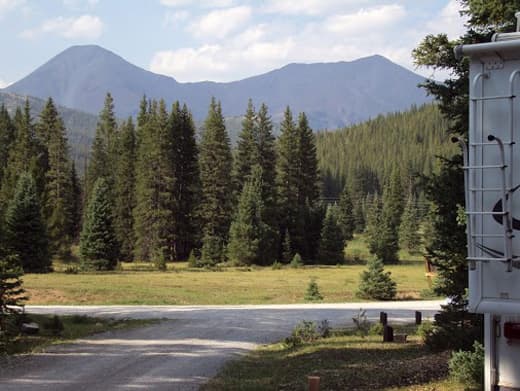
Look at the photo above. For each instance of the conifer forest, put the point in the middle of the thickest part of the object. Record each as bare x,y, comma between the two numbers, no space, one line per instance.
155,189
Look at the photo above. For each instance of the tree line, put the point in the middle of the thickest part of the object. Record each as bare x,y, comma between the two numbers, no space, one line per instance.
153,190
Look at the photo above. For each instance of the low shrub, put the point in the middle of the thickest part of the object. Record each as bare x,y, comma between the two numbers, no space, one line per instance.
297,261
361,323
467,367
276,265
376,329
304,332
313,291
54,325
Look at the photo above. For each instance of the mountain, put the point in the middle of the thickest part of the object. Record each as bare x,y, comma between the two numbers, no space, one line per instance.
80,126
332,94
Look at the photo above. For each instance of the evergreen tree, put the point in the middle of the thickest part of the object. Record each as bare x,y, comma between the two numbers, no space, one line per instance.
25,233
215,168
103,155
124,189
309,192
247,151
375,283
331,250
287,181
23,156
99,247
56,209
187,187
409,228
7,137
12,293
76,203
248,231
286,247
345,215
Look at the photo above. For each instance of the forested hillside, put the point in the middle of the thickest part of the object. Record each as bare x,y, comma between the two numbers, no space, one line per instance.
368,151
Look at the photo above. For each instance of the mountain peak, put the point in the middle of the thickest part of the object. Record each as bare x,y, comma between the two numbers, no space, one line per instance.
332,94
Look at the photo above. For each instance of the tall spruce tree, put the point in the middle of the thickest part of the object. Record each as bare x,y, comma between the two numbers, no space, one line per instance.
99,248
332,244
187,191
345,214
248,231
57,211
409,229
76,203
216,164
103,155
7,137
25,236
247,150
124,189
288,183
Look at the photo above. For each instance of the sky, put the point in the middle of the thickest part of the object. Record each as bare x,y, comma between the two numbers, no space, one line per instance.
220,40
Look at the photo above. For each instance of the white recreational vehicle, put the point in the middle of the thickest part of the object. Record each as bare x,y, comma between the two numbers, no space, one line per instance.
492,184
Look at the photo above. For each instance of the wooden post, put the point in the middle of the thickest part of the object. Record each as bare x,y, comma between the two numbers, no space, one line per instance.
388,334
383,318
314,383
418,317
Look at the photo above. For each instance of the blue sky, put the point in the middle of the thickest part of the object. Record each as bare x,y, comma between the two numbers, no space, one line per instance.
220,40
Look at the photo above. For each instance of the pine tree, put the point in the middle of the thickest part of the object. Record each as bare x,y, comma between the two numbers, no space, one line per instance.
56,209
409,228
124,189
76,203
287,253
103,155
99,247
331,249
187,191
248,231
375,283
12,293
215,166
287,181
25,233
345,214
7,137
247,151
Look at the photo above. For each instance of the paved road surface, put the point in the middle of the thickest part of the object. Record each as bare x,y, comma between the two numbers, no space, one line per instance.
183,351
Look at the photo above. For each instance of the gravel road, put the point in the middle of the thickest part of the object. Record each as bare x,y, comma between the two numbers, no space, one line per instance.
182,352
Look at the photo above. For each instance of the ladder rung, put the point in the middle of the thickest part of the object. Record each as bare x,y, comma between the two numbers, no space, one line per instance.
495,144
486,166
487,235
487,259
474,98
487,213
486,189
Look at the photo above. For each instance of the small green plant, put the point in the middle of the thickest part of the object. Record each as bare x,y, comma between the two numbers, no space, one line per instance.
424,330
361,323
71,269
324,328
467,367
276,265
297,261
313,291
304,332
160,262
376,329
193,261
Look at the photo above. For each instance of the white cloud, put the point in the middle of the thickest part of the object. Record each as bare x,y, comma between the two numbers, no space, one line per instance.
220,23
449,21
172,19
9,5
365,19
309,7
200,3
81,27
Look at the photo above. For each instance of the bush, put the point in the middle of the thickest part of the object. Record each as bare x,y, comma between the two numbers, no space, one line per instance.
324,329
361,323
313,291
276,265
304,332
467,367
424,330
376,329
297,261
160,262
375,283
54,325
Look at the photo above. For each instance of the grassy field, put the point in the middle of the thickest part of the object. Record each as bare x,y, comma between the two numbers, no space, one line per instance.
344,362
74,327
138,283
